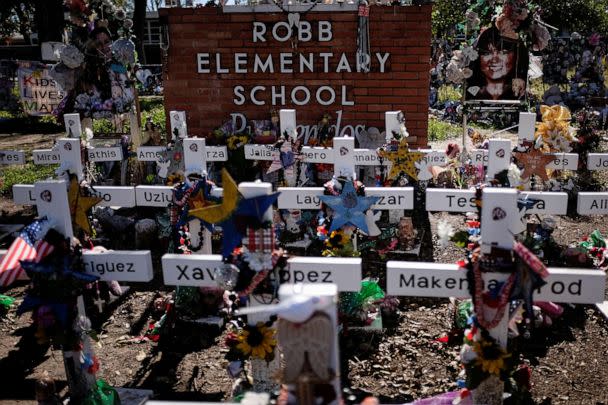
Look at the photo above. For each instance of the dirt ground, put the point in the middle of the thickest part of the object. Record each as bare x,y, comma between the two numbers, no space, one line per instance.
569,360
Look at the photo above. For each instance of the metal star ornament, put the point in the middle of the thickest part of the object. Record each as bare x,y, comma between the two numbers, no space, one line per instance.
403,161
533,162
348,208
79,205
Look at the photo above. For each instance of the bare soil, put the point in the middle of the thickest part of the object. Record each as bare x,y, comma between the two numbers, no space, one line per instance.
569,360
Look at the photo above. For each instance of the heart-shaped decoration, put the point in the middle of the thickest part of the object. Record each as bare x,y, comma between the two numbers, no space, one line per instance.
293,19
143,75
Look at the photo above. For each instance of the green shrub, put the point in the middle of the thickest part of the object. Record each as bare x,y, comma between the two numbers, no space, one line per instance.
27,174
441,130
157,114
147,103
448,92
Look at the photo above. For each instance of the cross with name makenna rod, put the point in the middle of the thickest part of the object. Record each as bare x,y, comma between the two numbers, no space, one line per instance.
499,215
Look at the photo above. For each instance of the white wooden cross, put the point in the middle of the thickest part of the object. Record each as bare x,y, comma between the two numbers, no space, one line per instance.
199,270
136,266
526,130
447,280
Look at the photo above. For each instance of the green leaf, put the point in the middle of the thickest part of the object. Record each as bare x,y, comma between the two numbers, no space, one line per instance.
460,238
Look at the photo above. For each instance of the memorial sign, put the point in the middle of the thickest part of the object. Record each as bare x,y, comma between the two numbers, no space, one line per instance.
249,62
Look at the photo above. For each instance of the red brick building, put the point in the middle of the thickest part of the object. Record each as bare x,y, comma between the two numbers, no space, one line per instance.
220,63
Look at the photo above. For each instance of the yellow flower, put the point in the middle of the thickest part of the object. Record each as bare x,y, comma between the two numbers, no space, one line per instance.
490,356
554,134
555,113
256,341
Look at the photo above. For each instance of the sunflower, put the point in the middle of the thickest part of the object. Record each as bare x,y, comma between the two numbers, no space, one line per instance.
256,341
490,356
337,240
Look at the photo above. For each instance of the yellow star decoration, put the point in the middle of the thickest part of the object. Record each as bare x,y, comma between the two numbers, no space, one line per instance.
403,160
216,213
79,205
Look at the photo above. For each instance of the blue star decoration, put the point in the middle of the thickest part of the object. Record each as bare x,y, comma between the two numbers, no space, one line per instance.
348,207
249,213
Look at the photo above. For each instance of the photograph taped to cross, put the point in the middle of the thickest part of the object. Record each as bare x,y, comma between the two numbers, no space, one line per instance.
179,127
73,126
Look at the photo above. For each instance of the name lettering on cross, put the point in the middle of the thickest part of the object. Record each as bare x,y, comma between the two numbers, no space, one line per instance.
191,270
66,152
260,152
345,272
12,157
46,156
597,161
561,161
150,153
308,198
106,154
576,286
112,196
454,200
133,266
591,203
153,196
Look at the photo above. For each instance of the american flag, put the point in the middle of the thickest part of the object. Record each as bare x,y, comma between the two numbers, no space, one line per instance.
29,246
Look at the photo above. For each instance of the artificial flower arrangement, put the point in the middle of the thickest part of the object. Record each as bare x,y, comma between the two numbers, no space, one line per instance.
94,71
554,133
241,168
266,131
246,341
595,250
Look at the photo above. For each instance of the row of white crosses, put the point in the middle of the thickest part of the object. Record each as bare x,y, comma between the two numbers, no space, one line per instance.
343,155
66,151
589,203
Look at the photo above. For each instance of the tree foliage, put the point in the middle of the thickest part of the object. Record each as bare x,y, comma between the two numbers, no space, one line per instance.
583,16
447,14
16,18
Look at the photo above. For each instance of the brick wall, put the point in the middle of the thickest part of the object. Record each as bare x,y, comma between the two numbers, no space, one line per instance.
404,32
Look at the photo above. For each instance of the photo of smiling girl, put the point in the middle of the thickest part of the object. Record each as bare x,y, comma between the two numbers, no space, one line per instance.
500,72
